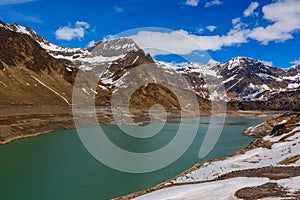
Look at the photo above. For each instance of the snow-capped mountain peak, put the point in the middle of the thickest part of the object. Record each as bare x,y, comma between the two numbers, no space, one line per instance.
98,57
244,79
114,47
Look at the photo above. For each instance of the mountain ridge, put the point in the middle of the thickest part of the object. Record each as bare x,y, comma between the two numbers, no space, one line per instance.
247,82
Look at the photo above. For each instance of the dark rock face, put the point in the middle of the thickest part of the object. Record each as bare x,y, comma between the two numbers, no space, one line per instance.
20,49
263,191
282,101
275,127
249,84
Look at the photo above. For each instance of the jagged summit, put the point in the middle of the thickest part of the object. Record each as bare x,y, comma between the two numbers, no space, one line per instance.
105,51
244,79
16,28
98,57
29,64
114,47
244,62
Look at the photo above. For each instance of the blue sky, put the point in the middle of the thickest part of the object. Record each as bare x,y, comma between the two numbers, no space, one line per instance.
266,30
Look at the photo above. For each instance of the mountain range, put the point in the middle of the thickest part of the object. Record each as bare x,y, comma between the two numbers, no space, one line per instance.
34,71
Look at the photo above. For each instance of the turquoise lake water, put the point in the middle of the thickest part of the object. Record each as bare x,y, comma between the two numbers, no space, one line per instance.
57,166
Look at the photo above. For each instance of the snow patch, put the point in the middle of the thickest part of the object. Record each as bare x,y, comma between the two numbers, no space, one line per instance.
68,69
22,29
206,70
292,184
292,78
252,159
268,76
229,79
293,85
102,87
282,122
221,190
107,81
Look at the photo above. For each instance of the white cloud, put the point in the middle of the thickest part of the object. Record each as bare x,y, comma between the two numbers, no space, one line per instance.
238,24
70,33
283,16
213,3
192,2
82,24
268,63
250,10
118,9
91,43
181,42
33,19
211,28
296,62
236,20
11,2
200,30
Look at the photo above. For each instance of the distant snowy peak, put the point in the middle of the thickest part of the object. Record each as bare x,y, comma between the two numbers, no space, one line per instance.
235,62
250,79
213,62
114,47
243,78
203,70
244,63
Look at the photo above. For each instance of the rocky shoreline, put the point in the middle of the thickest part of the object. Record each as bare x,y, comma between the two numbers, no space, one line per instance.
277,134
17,121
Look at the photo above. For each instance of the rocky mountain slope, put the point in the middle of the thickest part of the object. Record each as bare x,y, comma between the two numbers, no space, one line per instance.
268,168
29,75
37,81
249,84
34,71
245,78
37,72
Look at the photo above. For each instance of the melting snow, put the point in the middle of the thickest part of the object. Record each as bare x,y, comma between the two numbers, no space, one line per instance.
255,158
102,87
293,85
282,122
84,90
135,59
235,83
22,29
267,76
292,184
68,69
292,78
234,63
221,190
229,79
205,70
107,81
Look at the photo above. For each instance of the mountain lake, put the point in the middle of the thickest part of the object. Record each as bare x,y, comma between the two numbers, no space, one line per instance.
58,166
